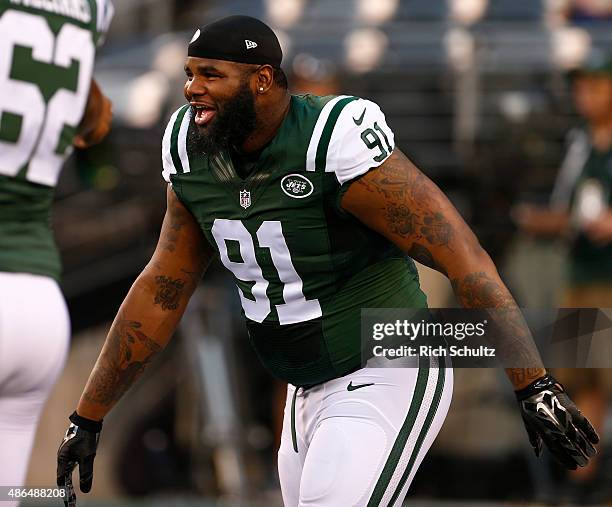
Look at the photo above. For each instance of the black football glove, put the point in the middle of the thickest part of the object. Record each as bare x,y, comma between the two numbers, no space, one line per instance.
78,447
550,416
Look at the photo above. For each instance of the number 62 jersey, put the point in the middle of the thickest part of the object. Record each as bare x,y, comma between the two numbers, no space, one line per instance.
303,267
47,51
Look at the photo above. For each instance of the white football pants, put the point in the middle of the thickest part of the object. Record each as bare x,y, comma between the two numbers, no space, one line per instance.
34,338
358,440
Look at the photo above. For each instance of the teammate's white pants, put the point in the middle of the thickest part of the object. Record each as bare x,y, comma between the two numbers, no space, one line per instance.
361,447
34,338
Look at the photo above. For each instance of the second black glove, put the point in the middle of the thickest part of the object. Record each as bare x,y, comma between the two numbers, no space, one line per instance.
550,416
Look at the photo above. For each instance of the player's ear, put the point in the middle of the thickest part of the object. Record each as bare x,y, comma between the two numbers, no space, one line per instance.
265,78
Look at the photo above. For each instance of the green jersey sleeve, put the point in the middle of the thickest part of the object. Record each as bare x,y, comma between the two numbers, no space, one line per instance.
174,144
350,138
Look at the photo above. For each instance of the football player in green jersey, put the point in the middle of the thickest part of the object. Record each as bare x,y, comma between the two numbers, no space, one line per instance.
315,212
48,102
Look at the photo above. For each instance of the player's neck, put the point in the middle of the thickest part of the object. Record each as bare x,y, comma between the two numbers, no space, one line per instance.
270,117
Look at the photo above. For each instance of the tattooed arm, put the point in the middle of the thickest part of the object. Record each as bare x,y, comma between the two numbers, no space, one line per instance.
150,312
402,204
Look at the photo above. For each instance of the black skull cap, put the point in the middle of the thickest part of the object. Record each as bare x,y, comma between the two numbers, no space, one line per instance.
241,39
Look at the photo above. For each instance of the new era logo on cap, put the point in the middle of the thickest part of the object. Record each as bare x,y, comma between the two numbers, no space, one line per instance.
250,44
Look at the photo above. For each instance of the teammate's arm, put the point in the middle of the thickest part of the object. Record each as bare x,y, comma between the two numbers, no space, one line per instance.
96,122
401,203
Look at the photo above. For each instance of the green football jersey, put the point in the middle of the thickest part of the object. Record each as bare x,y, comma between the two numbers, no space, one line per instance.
304,268
47,50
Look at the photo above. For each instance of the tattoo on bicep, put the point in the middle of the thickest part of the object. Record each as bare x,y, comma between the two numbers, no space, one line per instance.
169,292
126,355
407,196
430,227
170,241
177,218
389,180
194,277
394,181
400,219
436,229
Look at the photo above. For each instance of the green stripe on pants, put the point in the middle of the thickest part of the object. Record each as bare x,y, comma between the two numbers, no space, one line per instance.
402,437
430,415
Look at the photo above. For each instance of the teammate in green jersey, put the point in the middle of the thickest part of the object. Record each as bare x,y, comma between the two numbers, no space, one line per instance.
48,102
315,212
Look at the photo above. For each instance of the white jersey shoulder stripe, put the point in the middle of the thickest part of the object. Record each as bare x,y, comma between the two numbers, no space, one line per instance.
105,11
168,165
182,141
311,154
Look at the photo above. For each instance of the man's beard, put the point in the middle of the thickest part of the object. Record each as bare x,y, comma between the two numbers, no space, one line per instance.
232,124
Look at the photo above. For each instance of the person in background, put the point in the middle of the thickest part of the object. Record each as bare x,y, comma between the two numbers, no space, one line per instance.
48,103
580,207
581,11
580,210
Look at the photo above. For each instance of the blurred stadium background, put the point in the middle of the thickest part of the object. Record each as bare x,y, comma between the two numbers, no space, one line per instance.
477,94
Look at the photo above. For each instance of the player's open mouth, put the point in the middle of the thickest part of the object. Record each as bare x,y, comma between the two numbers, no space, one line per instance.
203,114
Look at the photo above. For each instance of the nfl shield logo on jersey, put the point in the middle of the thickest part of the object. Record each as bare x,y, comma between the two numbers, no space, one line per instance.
245,198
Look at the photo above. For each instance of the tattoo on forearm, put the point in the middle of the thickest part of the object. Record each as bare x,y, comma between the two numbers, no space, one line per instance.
127,353
169,292
147,342
522,377
510,333
479,290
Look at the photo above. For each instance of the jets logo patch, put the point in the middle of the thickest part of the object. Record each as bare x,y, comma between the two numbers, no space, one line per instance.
297,186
